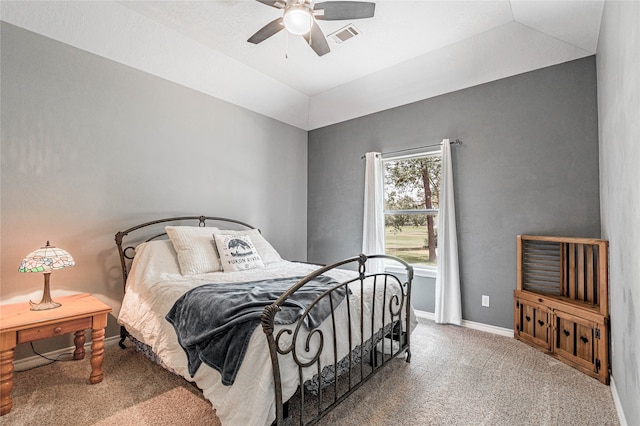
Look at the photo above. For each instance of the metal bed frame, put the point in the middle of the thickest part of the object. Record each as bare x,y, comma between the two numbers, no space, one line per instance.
346,375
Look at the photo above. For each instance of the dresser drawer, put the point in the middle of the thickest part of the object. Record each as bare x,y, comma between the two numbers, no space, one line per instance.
51,330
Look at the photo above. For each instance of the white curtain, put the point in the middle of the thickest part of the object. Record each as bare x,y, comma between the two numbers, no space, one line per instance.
373,221
448,302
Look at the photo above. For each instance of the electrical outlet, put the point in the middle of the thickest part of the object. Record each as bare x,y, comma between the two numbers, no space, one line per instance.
485,301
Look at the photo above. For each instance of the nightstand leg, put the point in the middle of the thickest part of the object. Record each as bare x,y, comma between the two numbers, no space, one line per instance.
6,380
97,355
79,342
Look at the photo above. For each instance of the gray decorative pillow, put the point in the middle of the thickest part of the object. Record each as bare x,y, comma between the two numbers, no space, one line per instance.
237,253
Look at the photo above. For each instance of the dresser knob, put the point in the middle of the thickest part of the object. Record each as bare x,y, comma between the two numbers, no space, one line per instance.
57,330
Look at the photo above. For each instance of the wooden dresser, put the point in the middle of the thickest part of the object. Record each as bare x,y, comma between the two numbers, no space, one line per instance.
561,303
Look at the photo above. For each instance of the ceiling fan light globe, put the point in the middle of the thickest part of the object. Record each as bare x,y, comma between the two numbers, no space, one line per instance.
298,20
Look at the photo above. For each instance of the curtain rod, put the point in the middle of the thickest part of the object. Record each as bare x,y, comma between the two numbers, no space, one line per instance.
455,142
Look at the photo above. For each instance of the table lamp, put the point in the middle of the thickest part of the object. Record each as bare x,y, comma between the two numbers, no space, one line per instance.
46,259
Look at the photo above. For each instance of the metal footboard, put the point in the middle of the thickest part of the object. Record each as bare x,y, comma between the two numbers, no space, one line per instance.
376,332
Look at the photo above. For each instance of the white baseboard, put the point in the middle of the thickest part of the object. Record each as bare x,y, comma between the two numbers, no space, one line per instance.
617,403
507,332
425,315
37,361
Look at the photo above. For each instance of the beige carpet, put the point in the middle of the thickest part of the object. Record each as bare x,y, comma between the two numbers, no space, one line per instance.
457,376
164,410
460,376
134,391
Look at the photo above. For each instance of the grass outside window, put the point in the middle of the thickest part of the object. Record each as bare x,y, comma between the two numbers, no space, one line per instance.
409,244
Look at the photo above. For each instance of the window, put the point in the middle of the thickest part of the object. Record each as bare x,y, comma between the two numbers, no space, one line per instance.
411,188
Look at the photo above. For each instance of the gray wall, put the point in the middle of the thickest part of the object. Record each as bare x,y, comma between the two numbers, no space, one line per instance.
91,147
618,62
529,164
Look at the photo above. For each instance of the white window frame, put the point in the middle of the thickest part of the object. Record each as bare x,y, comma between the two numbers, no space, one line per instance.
418,270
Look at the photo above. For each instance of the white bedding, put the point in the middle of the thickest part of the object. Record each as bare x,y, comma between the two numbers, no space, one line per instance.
155,283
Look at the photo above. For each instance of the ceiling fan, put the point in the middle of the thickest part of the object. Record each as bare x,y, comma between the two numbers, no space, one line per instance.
300,17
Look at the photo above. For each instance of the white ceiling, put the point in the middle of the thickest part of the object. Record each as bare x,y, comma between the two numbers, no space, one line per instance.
410,50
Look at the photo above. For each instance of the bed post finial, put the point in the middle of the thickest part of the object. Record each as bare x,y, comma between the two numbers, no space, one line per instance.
267,318
119,237
362,260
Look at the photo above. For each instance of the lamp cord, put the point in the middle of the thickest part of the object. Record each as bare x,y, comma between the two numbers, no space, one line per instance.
52,360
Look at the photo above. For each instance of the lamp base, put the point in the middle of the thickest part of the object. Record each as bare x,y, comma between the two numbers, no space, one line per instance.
43,306
46,302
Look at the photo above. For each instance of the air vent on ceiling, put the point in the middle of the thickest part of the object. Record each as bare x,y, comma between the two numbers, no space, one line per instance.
344,34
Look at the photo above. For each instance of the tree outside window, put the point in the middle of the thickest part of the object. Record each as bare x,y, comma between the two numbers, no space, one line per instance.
411,188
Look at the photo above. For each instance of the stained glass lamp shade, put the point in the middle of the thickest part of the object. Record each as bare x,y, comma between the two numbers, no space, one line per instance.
46,259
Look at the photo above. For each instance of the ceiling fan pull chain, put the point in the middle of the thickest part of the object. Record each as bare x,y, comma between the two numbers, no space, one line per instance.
286,45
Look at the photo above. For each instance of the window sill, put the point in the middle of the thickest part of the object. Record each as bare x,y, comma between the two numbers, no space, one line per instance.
417,271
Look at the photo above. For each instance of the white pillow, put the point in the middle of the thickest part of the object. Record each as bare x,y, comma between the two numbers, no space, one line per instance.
156,256
266,251
237,253
195,249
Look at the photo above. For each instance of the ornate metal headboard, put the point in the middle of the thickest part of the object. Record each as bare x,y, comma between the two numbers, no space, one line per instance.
127,252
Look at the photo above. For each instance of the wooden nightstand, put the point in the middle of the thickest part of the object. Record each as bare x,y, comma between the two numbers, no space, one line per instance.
18,324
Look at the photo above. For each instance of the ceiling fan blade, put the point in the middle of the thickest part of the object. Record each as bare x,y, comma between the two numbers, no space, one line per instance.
317,40
340,10
274,3
267,31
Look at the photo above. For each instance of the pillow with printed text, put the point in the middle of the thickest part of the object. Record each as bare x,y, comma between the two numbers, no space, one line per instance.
237,253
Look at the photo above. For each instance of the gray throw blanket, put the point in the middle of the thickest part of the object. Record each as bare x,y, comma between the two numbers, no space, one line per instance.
214,322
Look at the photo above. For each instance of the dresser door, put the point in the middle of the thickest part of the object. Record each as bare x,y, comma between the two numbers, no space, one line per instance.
532,323
577,340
